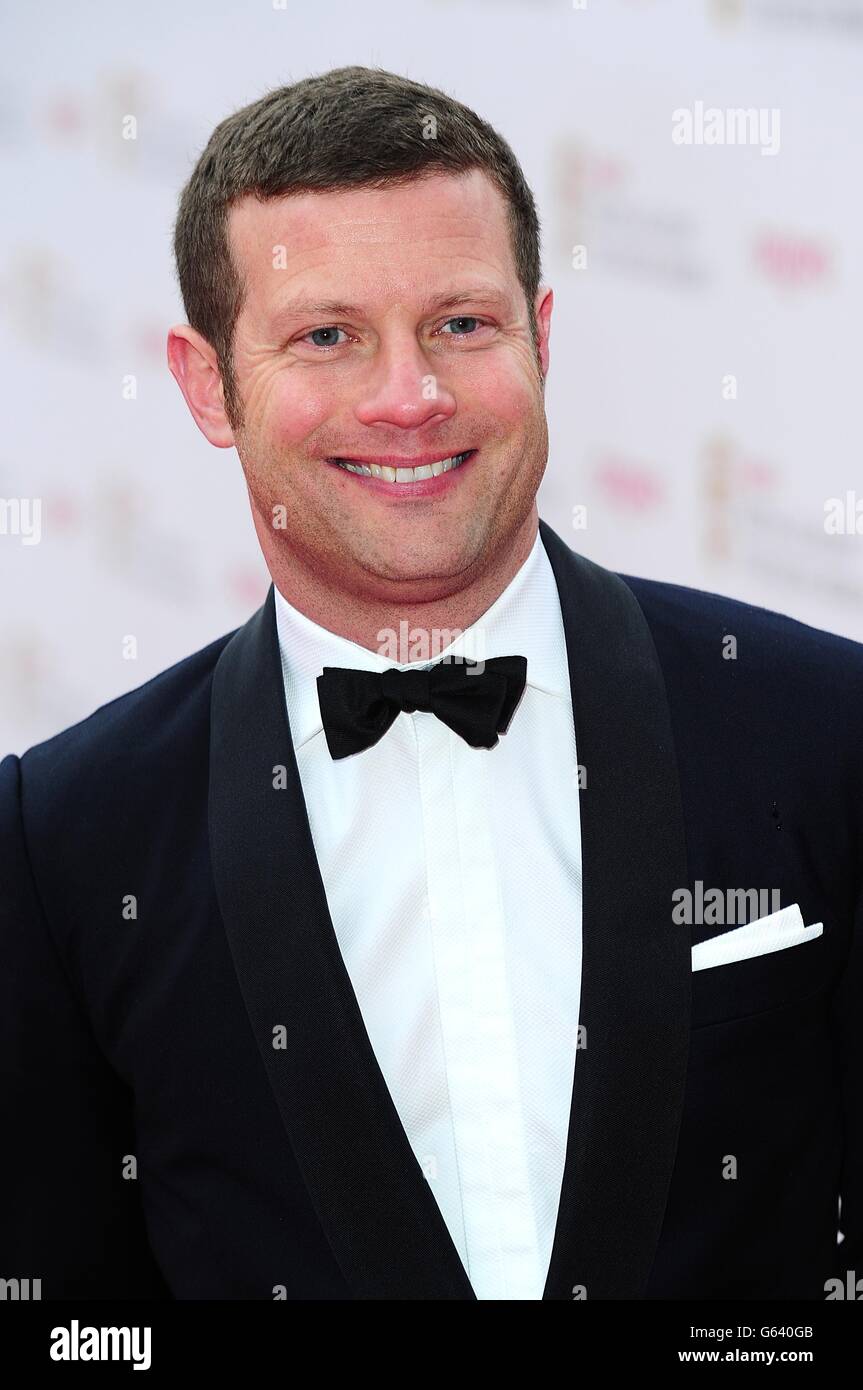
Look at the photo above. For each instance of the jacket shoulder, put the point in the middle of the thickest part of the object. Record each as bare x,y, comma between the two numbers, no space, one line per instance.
686,620
145,731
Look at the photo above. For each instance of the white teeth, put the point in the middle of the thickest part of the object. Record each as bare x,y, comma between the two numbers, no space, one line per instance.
403,475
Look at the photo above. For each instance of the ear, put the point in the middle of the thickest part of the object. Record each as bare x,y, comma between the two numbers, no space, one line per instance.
194,368
543,305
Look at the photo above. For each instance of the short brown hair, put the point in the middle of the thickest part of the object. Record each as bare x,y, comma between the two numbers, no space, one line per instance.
348,127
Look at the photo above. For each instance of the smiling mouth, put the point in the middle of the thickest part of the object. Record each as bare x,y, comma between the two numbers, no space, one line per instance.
388,473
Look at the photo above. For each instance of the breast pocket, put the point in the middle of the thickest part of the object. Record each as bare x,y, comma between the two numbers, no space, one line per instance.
767,964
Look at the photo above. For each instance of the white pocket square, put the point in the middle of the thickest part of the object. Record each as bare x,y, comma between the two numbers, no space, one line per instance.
774,933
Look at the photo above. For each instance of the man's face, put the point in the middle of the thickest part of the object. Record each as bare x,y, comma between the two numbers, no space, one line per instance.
387,326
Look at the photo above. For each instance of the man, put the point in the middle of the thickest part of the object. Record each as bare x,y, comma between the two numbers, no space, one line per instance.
473,922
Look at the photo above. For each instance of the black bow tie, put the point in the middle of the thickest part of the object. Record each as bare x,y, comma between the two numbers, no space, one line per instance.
357,707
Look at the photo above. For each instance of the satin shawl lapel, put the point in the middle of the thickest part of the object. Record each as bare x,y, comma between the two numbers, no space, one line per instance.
636,968
376,1207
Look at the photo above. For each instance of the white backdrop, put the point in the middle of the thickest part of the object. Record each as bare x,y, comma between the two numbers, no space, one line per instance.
704,391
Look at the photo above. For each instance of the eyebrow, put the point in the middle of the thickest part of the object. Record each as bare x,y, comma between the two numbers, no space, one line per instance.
487,295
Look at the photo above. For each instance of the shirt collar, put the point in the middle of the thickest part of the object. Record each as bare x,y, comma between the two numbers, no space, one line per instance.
524,620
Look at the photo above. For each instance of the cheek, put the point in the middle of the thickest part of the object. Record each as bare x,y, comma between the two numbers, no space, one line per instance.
504,387
503,380
298,407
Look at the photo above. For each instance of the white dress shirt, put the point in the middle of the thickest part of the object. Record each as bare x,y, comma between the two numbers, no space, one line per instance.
453,879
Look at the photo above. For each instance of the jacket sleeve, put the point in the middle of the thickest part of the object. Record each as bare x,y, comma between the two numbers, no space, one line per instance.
68,1218
849,1003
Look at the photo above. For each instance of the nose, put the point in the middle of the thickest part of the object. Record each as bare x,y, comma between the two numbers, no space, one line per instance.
403,388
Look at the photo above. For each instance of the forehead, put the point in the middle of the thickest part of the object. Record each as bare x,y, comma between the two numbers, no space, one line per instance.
436,224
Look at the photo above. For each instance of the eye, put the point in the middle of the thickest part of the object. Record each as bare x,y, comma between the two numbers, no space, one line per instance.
462,331
328,333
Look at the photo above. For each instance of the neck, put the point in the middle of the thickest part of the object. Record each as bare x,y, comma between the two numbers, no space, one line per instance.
364,618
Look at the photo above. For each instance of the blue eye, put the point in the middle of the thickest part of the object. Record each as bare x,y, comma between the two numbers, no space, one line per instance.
462,319
329,330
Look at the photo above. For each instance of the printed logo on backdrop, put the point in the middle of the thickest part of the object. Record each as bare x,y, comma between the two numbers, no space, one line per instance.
749,525
604,222
803,20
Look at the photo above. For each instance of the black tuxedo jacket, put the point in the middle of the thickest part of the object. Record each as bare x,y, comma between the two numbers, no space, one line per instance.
193,1107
